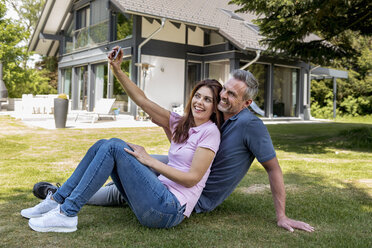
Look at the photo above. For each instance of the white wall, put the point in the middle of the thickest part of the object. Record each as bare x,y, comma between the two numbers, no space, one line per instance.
196,37
165,81
168,33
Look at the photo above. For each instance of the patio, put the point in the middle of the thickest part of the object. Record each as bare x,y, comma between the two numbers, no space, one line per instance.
47,121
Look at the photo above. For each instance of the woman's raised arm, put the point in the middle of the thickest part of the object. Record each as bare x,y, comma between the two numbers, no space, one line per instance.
158,114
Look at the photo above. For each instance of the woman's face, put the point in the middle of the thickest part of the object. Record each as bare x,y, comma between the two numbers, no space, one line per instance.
202,105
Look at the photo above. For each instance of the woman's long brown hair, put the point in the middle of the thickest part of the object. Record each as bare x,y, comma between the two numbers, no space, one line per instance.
181,132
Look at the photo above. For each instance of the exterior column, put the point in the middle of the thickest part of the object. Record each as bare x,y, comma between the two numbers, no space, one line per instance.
75,88
309,86
110,82
91,89
334,97
300,95
136,34
234,64
270,90
206,70
60,78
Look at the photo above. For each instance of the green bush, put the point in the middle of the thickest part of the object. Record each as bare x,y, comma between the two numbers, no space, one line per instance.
356,106
326,110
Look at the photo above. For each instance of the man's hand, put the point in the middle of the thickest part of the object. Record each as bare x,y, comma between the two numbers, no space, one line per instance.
290,225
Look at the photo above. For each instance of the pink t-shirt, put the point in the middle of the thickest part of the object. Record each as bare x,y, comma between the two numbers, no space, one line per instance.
180,157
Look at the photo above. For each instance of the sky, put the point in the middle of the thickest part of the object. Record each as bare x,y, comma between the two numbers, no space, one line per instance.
11,14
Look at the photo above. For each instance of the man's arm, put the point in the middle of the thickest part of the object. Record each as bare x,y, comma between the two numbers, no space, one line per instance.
277,188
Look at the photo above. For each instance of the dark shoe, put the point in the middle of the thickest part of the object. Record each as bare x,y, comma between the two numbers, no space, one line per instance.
41,189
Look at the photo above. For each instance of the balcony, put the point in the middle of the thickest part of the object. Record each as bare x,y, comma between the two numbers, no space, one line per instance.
88,37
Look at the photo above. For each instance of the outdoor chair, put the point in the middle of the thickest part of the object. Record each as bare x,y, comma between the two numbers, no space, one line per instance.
257,109
102,108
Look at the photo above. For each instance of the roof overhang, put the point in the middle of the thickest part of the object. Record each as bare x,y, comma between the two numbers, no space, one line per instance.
130,7
54,17
323,73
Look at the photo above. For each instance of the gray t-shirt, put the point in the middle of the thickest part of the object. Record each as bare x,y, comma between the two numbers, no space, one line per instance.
244,137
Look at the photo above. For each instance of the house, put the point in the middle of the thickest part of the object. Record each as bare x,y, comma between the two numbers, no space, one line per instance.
168,45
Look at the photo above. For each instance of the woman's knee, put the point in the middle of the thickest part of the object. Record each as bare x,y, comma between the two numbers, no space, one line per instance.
101,142
97,145
116,142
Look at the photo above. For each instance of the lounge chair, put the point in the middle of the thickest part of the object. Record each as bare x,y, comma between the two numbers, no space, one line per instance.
102,108
257,109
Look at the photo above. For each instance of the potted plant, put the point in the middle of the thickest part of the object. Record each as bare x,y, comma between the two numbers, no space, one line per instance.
116,111
60,110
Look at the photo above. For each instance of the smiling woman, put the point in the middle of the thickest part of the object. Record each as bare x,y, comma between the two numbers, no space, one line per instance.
205,94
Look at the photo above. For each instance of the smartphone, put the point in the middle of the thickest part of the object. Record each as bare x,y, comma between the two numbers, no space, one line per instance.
115,53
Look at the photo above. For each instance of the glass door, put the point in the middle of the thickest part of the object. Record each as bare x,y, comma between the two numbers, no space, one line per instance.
193,76
83,88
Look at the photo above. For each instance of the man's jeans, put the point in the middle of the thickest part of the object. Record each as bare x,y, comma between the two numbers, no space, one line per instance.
111,196
152,203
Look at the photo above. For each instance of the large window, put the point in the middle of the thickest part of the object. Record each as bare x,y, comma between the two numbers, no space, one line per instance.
124,26
92,23
122,99
81,35
193,77
219,71
100,82
285,91
260,72
99,22
66,83
103,90
68,44
83,88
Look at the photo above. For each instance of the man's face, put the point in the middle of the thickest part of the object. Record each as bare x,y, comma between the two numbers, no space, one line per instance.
232,101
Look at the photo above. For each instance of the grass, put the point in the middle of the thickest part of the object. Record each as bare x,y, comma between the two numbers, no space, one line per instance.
327,170
359,119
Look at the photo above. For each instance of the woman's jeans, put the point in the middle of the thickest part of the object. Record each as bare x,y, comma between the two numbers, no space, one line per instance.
152,203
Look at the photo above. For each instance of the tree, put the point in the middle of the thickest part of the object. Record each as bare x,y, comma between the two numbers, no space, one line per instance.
28,11
18,78
354,95
287,26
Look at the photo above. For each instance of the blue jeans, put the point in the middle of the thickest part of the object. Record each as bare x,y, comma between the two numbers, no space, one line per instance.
152,203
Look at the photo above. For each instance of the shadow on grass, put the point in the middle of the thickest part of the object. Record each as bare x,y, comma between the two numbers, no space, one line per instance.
319,138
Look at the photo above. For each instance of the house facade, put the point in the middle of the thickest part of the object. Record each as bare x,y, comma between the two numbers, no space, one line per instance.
168,47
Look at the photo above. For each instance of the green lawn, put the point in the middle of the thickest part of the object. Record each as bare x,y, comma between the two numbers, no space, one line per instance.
327,170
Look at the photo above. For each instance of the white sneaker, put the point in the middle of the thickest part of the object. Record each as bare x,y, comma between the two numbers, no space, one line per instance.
54,221
41,208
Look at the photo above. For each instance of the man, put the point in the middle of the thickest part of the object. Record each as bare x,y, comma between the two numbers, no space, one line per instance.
243,138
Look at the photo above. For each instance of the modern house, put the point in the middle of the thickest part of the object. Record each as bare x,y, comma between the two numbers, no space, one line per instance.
168,45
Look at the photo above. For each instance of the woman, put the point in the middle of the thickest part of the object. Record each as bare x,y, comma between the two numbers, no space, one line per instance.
160,202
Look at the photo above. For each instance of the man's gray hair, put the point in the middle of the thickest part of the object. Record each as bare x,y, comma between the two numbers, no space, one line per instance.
249,80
